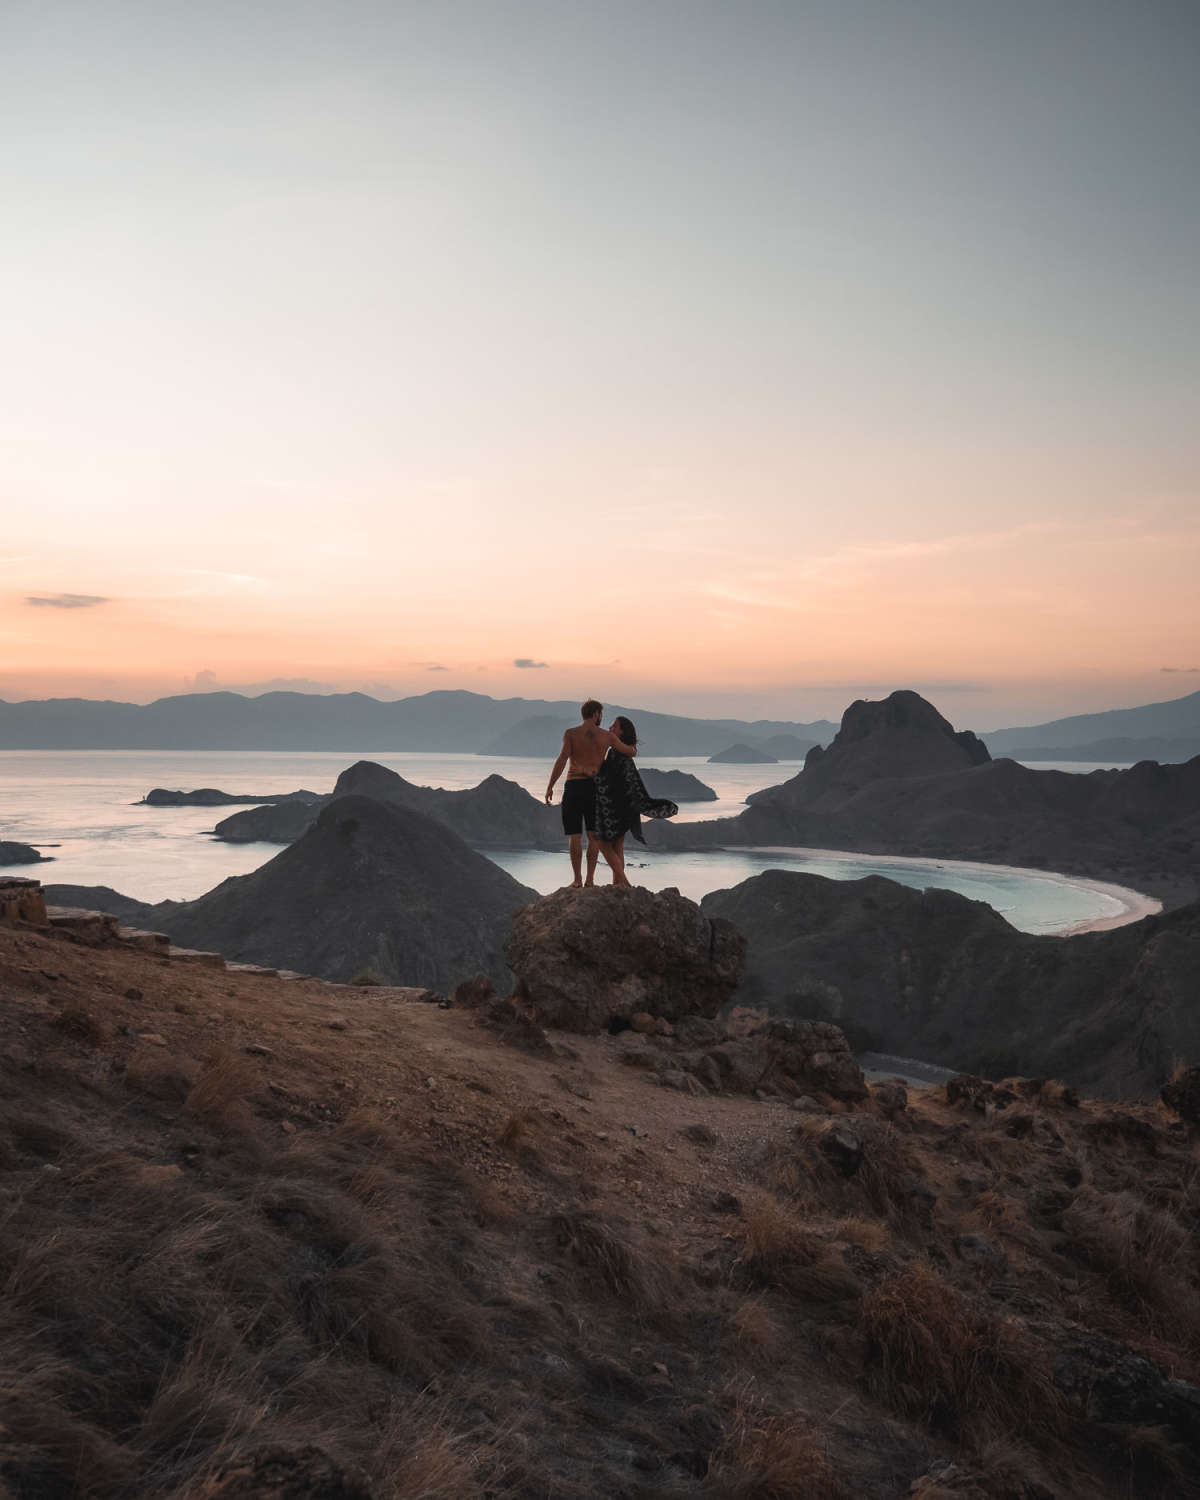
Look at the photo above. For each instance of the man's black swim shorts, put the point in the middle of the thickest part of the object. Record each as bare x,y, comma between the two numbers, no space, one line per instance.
579,805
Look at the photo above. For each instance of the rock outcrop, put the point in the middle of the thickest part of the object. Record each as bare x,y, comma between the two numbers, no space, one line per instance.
209,796
585,959
276,823
934,975
898,779
676,786
371,887
743,755
12,853
495,814
101,898
21,900
783,1057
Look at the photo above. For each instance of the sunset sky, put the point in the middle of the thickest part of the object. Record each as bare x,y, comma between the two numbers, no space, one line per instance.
739,357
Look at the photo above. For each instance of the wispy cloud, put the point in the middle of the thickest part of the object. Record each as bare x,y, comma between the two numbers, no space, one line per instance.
527,663
66,601
217,573
428,666
772,589
1183,671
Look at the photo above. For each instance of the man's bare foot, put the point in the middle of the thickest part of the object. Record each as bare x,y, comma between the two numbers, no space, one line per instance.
576,885
587,884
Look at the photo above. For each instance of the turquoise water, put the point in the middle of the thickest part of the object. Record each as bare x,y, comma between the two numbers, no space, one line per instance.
86,803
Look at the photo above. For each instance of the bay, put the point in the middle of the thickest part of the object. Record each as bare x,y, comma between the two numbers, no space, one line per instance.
88,804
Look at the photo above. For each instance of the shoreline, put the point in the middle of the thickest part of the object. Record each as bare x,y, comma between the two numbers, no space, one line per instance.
1134,904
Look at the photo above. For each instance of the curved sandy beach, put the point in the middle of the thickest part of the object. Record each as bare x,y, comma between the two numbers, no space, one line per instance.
1131,905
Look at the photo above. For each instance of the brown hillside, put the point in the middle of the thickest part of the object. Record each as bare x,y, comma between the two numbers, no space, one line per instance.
267,1237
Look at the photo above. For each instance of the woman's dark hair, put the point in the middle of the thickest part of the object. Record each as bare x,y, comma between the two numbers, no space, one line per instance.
625,730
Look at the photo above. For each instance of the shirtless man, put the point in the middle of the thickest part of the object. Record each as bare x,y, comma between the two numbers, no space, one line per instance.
582,752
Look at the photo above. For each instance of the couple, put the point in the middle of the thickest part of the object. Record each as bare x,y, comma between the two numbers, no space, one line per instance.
602,793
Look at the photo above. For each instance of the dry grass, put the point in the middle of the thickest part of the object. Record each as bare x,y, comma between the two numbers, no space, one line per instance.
643,1277
949,1360
1147,1257
775,1458
413,1293
780,1251
220,1095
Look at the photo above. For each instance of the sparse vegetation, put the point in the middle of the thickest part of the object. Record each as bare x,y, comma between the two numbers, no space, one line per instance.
245,1250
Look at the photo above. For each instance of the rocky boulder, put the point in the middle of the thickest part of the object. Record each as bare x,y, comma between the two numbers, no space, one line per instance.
676,786
1181,1094
586,958
742,754
19,854
783,1057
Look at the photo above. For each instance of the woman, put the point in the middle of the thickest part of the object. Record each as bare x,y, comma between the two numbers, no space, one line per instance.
622,801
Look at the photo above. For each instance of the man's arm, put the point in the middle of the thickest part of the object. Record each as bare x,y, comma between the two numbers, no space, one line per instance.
563,756
615,742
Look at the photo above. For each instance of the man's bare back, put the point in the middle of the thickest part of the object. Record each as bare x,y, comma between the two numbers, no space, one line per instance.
586,746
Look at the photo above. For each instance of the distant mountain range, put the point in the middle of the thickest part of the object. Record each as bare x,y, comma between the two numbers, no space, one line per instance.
462,721
438,721
1167,731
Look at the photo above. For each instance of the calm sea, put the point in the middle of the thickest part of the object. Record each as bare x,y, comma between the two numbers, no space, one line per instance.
86,803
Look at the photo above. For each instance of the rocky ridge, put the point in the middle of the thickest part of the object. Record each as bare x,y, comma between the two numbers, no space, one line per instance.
373,888
337,1241
932,974
898,779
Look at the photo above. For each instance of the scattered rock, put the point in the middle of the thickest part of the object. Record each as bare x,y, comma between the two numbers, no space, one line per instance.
698,1031
700,1134
516,1027
726,1203
1113,1383
709,1074
642,1021
256,1049
842,1147
805,1104
474,993
978,1093
337,1023
891,1097
785,1057
1181,1094
155,1038
676,1078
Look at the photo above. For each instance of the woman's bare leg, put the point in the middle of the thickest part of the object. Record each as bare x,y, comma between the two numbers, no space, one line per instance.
593,854
614,854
